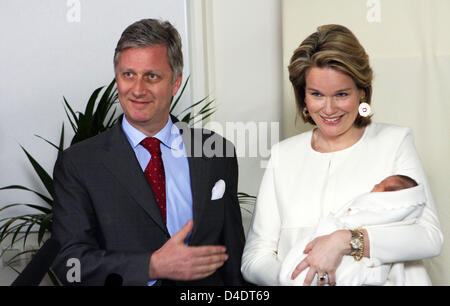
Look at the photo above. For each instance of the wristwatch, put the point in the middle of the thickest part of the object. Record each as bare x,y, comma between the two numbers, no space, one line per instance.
357,244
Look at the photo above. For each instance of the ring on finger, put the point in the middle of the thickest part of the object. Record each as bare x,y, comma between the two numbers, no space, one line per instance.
323,277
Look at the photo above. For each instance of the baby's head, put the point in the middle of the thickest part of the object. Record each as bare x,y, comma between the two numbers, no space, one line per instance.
394,183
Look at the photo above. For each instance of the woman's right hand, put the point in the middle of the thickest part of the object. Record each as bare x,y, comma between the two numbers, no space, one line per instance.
324,256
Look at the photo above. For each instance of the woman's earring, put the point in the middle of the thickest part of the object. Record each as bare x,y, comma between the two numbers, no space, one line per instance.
364,108
305,112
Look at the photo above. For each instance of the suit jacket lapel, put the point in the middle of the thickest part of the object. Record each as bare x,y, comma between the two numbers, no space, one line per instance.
121,161
199,168
199,171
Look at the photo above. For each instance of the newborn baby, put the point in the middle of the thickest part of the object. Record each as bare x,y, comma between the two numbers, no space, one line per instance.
396,199
394,183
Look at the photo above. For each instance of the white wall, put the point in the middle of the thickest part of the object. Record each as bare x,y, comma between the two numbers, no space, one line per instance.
243,70
237,59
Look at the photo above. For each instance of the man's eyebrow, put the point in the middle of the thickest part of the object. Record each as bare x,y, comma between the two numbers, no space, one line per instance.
125,69
150,71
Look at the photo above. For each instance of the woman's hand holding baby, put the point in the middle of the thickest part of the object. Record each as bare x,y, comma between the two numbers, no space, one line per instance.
324,256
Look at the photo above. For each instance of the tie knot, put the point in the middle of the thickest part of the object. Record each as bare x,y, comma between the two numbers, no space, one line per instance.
152,145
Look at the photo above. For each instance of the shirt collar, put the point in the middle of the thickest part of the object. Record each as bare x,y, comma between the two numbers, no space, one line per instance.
166,135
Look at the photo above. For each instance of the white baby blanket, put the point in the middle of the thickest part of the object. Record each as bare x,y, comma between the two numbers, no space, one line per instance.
370,209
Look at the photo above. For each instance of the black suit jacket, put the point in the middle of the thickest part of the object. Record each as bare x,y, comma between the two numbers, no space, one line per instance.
106,216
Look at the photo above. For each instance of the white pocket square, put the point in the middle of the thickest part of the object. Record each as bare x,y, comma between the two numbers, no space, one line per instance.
218,190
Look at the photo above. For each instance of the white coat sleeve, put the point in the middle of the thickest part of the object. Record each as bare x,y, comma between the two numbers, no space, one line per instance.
424,239
259,262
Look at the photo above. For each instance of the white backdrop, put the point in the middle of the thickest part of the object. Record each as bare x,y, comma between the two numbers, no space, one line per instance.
54,48
237,59
409,48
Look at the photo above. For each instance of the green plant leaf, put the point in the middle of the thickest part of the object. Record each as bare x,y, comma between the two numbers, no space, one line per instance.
42,209
53,278
246,199
104,106
43,197
48,141
17,231
74,116
15,224
174,104
46,225
195,104
245,195
27,232
186,118
61,139
191,107
203,117
111,120
11,226
13,259
5,227
43,175
206,107
89,111
92,122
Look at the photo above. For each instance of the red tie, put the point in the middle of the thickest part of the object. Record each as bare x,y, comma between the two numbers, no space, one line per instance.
154,173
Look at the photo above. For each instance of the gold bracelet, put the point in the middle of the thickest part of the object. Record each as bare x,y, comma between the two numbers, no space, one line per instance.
357,244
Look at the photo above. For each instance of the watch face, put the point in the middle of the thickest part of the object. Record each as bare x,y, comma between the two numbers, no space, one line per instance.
356,244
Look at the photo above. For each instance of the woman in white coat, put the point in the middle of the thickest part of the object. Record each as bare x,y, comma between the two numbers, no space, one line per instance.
315,173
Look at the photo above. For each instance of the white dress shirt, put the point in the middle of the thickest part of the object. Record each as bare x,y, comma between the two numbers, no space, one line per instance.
176,167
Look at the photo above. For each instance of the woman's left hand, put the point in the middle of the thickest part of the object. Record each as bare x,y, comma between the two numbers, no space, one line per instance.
324,256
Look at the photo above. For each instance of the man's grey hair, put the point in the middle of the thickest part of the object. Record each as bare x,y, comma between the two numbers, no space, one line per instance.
151,32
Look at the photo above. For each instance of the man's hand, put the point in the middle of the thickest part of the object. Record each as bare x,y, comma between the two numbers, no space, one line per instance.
177,261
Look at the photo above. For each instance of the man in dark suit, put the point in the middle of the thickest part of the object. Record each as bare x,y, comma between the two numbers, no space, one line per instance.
149,200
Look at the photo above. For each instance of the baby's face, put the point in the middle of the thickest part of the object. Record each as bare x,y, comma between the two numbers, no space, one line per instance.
378,187
388,184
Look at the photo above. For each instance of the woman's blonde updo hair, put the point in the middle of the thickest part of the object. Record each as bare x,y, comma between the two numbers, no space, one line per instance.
336,47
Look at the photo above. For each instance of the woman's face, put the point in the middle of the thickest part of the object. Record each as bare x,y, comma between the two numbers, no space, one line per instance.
332,99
